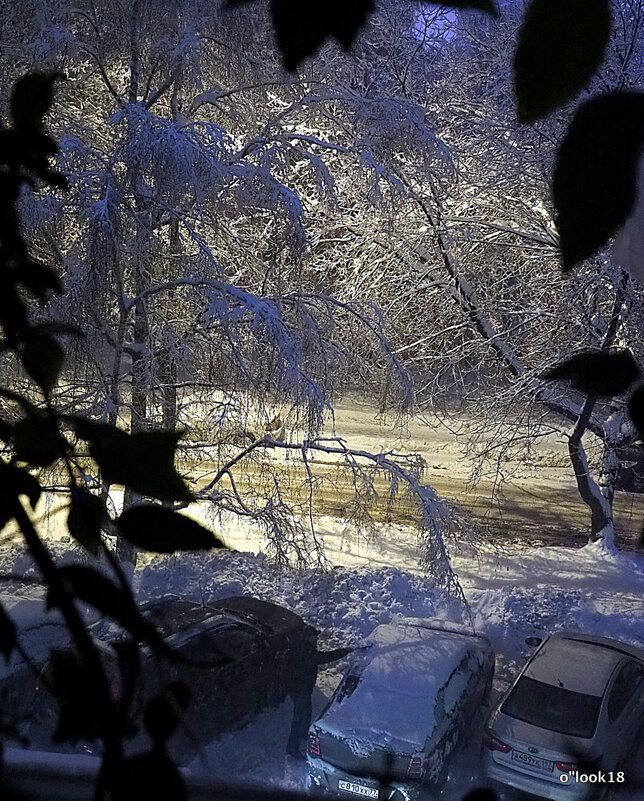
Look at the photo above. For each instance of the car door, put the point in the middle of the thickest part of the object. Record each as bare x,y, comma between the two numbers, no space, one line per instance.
624,709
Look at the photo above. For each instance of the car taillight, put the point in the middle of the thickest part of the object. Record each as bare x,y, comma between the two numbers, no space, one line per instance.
493,743
314,743
567,767
416,767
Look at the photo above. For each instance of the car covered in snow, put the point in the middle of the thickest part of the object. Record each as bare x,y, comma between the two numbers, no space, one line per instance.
400,711
236,655
575,709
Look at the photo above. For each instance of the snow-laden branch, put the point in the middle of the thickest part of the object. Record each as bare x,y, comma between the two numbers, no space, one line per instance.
433,513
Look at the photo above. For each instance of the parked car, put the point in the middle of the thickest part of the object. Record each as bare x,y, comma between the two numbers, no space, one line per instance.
236,655
400,711
252,648
38,629
577,705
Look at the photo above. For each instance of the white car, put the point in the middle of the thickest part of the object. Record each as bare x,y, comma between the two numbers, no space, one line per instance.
402,709
574,711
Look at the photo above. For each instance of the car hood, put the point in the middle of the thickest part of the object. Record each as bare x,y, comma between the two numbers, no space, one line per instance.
550,743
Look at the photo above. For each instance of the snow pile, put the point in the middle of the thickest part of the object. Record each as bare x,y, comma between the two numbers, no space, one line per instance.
346,604
507,617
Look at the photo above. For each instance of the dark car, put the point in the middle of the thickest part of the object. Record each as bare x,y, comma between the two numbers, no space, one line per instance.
236,655
400,712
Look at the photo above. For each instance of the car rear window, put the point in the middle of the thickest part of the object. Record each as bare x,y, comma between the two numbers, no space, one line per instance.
175,615
553,708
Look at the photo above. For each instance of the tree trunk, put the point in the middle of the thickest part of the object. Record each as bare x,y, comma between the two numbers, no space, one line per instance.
168,380
597,496
138,405
601,509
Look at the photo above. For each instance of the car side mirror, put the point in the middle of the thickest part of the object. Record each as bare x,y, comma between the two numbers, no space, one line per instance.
533,642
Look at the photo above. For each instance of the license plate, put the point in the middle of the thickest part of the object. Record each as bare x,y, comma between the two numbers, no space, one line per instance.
358,789
533,762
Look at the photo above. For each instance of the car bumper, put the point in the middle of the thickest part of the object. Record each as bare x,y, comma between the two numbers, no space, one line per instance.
325,778
535,785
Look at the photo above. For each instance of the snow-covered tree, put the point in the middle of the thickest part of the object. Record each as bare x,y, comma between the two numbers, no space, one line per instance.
492,310
195,245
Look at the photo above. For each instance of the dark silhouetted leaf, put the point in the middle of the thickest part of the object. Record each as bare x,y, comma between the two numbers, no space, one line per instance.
157,529
82,715
66,329
163,712
8,637
15,481
561,45
32,97
98,591
36,440
481,794
86,517
595,372
476,5
144,462
636,410
150,775
53,178
13,312
43,359
6,431
302,28
595,177
39,280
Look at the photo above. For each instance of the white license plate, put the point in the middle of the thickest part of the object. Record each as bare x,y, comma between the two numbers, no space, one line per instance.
530,761
358,789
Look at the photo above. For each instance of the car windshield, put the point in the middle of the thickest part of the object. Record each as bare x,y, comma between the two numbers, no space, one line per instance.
553,708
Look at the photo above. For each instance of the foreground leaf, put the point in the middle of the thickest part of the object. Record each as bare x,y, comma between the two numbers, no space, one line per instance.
595,177
476,5
636,410
160,530
561,45
82,716
32,97
6,431
87,515
8,634
150,775
144,462
601,373
39,280
43,359
36,440
95,589
302,28
163,713
16,481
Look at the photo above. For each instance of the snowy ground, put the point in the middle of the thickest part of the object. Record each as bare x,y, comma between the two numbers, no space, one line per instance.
511,595
513,590
537,504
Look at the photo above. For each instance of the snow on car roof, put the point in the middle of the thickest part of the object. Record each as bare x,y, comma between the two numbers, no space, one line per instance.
575,665
37,628
404,685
